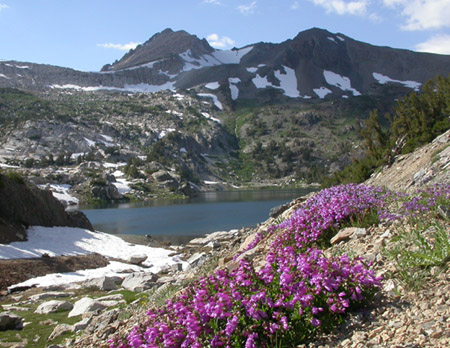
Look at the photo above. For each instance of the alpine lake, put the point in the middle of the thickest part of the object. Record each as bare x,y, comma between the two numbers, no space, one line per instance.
178,221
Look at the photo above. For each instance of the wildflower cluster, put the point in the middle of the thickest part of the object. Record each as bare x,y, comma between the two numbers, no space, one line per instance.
323,213
424,201
283,303
297,292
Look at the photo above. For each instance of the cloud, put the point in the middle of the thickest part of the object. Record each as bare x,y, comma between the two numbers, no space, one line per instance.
422,14
247,9
125,47
219,42
437,44
294,5
214,2
343,7
2,6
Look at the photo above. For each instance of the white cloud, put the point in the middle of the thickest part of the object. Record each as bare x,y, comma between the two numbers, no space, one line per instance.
437,44
219,42
343,7
423,14
294,5
215,2
2,6
125,47
247,9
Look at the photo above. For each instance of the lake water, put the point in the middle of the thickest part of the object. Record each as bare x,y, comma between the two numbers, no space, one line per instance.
185,219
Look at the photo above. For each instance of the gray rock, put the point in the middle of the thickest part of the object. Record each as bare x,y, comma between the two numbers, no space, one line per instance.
104,325
139,281
197,259
176,267
15,308
137,259
81,325
107,192
116,297
278,210
167,279
53,306
86,305
59,330
103,283
419,175
360,232
51,294
10,321
213,244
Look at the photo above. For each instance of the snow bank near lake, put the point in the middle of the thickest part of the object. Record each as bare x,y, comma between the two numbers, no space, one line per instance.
56,241
56,279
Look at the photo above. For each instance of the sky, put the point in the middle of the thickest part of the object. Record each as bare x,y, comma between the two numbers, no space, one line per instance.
87,34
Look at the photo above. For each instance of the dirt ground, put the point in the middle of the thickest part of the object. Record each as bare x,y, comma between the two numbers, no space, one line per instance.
20,270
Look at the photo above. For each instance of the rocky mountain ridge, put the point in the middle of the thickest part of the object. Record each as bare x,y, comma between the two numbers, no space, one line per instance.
315,64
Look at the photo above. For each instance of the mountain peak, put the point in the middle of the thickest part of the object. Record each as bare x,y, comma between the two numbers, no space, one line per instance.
160,46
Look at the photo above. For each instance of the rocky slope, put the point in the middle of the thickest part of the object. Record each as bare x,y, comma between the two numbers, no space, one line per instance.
108,145
115,146
314,64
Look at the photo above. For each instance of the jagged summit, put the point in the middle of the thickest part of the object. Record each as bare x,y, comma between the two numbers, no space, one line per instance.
162,45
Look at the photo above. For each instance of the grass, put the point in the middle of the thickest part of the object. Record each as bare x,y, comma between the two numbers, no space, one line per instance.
417,250
35,334
38,329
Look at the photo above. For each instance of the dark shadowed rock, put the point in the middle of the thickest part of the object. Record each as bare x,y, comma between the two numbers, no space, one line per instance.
10,321
23,205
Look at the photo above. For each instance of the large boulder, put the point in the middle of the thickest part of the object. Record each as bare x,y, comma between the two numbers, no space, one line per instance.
103,283
139,281
53,306
107,192
23,205
10,321
86,305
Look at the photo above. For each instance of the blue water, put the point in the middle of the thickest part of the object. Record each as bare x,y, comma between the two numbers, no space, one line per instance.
209,212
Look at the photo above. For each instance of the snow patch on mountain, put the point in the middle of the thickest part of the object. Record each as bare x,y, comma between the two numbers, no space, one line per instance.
322,92
261,82
232,81
382,79
212,85
209,117
342,82
216,100
122,184
231,56
288,82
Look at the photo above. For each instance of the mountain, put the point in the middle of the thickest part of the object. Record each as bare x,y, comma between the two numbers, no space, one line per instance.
315,64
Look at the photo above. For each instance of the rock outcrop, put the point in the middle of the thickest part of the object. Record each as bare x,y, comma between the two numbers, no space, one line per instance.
23,205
